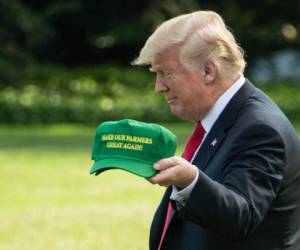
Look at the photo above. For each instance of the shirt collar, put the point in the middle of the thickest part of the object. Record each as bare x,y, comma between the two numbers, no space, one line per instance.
215,111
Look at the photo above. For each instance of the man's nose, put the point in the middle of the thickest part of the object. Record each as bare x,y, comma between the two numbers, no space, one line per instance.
160,86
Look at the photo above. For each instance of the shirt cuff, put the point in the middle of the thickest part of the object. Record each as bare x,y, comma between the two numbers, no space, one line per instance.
181,196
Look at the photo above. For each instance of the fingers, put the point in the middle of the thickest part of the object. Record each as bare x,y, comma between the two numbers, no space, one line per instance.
164,178
167,163
174,171
166,167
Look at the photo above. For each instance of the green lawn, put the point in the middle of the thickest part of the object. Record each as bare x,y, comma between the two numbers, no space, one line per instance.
48,200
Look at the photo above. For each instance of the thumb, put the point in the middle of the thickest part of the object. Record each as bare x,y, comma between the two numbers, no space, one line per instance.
166,163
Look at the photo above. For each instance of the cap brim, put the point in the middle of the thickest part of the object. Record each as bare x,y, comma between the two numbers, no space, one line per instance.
142,169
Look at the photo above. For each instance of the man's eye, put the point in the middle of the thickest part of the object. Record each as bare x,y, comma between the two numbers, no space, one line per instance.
164,74
168,74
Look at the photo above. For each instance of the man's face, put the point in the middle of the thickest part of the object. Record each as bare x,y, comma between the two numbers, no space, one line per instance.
184,90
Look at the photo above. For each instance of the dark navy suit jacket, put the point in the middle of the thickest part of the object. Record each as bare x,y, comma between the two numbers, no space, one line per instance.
247,196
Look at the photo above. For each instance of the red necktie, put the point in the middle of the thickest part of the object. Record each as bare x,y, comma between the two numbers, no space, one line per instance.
193,142
190,148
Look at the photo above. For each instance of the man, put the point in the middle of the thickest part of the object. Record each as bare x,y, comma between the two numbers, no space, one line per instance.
239,188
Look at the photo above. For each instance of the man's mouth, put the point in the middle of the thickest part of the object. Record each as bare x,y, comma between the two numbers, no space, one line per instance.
171,99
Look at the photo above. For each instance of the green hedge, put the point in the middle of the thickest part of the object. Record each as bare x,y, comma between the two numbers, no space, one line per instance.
286,95
56,94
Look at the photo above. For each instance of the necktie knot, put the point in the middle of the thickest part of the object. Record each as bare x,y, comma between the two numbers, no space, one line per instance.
199,130
193,142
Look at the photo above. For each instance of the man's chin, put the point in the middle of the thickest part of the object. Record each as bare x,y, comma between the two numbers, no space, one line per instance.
180,113
175,110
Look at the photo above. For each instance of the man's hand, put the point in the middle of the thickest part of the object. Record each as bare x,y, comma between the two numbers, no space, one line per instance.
174,171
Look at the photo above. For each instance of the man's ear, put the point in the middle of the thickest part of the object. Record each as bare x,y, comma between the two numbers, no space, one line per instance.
210,72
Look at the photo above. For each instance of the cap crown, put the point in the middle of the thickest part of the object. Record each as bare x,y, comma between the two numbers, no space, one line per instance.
133,140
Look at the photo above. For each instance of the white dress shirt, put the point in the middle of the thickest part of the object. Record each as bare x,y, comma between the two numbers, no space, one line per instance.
180,196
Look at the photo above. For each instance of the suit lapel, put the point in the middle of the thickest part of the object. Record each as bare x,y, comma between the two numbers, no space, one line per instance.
209,147
219,130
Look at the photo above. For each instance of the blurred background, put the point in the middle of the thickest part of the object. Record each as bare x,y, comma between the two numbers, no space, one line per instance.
65,68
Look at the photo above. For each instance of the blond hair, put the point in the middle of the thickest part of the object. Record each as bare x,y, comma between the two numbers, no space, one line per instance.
199,37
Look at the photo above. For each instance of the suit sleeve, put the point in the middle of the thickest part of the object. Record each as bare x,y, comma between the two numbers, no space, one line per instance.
252,173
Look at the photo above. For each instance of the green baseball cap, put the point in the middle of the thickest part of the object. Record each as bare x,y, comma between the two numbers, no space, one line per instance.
131,145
